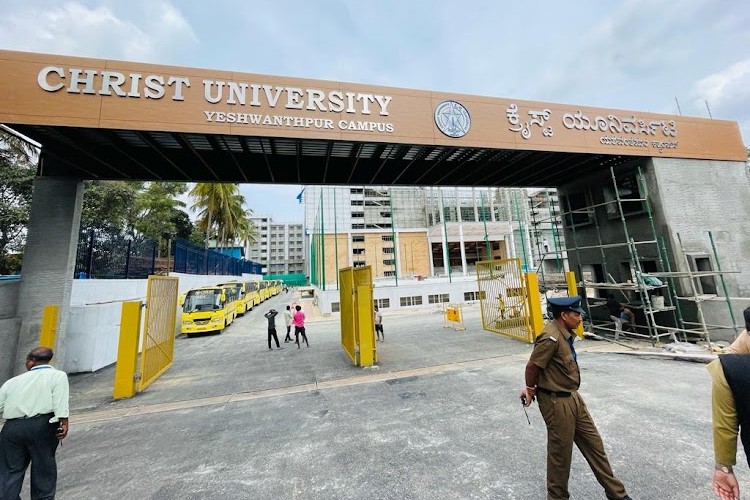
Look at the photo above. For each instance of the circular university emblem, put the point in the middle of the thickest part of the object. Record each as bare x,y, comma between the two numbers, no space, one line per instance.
452,119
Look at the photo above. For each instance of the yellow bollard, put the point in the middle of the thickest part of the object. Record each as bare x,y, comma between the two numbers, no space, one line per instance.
48,331
127,351
536,323
570,277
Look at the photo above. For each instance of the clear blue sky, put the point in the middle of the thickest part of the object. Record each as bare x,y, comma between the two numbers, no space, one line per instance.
628,54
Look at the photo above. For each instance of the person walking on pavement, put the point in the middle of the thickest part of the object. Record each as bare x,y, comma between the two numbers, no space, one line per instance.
552,376
271,317
35,408
288,322
379,324
730,408
299,325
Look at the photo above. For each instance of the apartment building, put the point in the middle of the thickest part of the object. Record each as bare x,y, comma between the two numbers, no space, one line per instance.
279,248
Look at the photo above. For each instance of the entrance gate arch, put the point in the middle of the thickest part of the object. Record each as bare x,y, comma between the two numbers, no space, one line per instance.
102,119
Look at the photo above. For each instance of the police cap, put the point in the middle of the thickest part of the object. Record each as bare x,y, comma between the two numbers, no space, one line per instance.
566,304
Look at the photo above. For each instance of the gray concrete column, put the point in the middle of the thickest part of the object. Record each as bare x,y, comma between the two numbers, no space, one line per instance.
463,248
48,262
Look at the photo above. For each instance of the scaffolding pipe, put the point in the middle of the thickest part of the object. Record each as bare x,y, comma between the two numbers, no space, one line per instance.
521,230
322,242
393,236
555,236
723,283
701,318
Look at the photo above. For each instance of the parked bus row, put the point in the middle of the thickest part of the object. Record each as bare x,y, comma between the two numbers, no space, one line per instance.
213,308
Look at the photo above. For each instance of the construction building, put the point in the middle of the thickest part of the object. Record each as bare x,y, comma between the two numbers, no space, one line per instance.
427,236
279,247
632,233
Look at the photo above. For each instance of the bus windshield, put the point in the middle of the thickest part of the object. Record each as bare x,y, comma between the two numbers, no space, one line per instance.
202,300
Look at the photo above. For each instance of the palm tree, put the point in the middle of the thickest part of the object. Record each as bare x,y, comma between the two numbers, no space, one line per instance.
222,213
22,150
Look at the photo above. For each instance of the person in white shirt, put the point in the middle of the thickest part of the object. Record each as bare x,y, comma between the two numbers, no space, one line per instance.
288,321
379,324
35,408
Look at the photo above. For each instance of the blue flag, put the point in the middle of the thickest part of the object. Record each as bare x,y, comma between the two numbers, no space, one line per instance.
299,196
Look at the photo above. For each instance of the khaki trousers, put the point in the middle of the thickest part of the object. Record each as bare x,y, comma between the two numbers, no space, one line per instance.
568,421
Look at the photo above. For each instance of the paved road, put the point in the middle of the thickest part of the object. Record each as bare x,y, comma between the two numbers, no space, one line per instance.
438,419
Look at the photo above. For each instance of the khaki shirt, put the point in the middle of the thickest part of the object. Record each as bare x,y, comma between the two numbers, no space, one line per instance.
741,344
552,353
724,414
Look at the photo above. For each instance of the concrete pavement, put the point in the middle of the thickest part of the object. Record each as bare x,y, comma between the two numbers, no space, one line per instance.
439,418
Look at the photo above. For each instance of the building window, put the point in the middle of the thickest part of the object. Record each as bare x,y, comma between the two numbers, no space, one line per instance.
416,300
467,214
382,303
358,215
359,263
629,190
389,274
388,237
438,298
701,263
335,307
388,250
387,215
358,226
388,262
358,239
358,251
577,212
357,203
473,295
356,190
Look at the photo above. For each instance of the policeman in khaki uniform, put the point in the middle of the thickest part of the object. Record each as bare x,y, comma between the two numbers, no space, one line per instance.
552,377
730,404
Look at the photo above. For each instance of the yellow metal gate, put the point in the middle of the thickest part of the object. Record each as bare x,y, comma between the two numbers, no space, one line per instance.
158,328
509,300
357,315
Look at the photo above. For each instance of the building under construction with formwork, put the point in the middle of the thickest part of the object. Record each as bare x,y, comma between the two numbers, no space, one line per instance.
635,233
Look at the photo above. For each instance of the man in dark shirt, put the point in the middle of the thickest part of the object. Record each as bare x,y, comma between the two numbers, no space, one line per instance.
271,317
552,376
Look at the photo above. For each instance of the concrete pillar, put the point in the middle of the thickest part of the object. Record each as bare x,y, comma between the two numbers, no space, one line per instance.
463,247
48,262
429,254
397,255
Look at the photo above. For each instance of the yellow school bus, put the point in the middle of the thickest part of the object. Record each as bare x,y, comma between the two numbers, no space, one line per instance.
242,302
208,309
252,290
265,292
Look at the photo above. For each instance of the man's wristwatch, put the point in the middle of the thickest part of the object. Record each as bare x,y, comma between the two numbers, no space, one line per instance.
726,469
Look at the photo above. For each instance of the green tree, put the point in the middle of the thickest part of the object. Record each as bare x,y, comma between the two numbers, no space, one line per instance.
156,207
17,170
109,206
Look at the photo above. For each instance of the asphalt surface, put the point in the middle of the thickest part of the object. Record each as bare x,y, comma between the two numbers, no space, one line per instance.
439,418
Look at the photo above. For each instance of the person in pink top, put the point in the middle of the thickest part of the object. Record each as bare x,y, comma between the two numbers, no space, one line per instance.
298,320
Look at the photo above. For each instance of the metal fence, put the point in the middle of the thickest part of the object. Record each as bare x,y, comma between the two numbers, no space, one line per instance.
107,256
103,255
193,259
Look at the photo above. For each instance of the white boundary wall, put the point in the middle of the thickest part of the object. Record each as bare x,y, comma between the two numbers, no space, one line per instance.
383,289
96,305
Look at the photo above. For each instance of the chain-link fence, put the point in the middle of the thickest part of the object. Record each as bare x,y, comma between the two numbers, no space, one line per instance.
103,255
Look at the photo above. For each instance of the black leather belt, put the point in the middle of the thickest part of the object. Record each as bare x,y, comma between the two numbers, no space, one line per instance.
559,394
45,415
